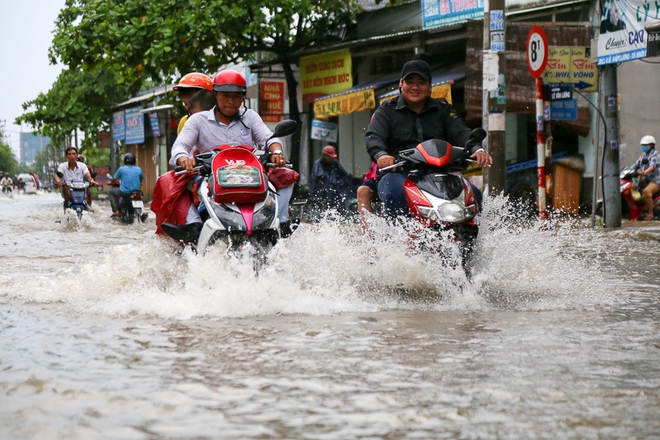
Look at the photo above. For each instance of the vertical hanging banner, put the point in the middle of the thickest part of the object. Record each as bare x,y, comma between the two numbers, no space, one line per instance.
134,126
325,74
153,120
271,100
444,12
497,30
622,35
118,127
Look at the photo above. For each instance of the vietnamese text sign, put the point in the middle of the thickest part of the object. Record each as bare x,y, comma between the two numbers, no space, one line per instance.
325,74
443,12
271,97
565,110
345,104
324,131
622,35
153,120
134,126
118,127
497,30
559,92
271,119
571,65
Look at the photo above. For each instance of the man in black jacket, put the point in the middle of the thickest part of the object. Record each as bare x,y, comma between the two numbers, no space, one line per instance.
402,123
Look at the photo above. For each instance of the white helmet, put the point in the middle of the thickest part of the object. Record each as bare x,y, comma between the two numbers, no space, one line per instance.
646,140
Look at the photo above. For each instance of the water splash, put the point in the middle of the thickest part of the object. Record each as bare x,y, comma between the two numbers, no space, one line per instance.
332,267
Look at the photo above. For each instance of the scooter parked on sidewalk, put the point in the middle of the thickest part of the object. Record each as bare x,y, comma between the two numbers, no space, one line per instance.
130,206
439,197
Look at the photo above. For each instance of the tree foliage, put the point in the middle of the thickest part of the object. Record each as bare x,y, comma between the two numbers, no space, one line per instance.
77,100
8,162
119,46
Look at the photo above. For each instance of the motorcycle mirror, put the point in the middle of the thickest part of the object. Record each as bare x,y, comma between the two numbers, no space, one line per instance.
93,174
284,128
477,135
59,174
109,176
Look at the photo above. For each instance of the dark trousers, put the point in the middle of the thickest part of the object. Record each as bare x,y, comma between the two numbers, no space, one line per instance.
114,194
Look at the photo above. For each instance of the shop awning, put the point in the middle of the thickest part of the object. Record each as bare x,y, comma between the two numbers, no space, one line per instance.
355,99
440,86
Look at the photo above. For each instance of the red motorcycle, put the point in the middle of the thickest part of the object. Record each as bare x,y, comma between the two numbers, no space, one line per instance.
236,200
632,204
438,195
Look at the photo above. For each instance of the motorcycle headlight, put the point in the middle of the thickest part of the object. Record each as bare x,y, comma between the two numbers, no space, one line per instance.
428,212
452,212
230,219
264,217
448,211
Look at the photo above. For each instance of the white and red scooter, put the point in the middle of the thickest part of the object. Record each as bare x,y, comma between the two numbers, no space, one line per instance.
238,203
438,195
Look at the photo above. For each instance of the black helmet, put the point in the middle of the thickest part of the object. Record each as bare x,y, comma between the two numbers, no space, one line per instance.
129,159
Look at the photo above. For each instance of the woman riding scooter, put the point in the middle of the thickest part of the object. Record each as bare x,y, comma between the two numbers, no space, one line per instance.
647,166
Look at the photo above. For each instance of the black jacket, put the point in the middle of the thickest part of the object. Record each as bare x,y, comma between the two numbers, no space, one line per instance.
394,127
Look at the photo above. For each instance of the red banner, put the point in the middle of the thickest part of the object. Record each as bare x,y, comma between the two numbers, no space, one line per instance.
271,98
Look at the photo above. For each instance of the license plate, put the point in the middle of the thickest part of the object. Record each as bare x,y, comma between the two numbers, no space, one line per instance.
137,204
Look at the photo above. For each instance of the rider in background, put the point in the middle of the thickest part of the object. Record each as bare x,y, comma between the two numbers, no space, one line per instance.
647,166
229,122
187,87
6,183
403,122
130,176
72,170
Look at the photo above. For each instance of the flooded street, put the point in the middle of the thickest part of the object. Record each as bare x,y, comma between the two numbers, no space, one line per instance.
106,333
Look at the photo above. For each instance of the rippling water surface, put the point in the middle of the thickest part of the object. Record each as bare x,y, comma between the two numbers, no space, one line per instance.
106,333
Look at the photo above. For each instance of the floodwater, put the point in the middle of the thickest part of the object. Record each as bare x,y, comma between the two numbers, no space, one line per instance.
105,333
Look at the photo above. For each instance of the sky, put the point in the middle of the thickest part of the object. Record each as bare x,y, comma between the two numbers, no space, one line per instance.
26,28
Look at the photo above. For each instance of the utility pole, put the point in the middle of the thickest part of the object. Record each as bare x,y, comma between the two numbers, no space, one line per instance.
611,189
494,99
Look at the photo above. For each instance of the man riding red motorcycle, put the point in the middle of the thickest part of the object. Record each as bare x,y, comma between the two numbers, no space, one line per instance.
228,123
402,123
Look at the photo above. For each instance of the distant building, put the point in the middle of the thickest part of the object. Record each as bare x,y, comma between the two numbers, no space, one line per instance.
30,145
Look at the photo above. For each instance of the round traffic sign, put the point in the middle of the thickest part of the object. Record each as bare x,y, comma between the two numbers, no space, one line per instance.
537,51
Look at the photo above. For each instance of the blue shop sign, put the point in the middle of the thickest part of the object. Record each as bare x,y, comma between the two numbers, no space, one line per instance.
134,126
118,127
565,110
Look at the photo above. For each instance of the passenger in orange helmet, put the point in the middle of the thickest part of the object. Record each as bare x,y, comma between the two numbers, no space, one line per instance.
188,86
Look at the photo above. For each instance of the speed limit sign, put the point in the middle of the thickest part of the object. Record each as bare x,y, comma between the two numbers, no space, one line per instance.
537,51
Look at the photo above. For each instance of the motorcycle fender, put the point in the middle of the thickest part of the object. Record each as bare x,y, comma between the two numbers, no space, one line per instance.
211,226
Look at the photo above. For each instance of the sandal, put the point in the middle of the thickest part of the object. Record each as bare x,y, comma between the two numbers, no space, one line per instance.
646,218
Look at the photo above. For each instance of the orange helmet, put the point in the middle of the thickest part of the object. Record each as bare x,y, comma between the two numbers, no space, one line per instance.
229,81
195,80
